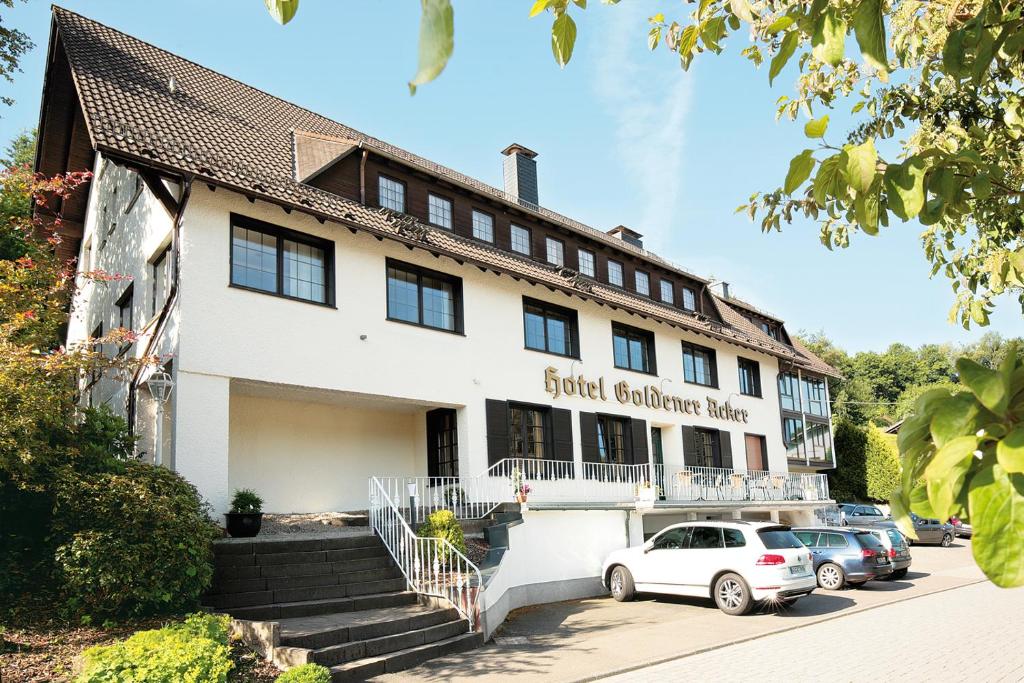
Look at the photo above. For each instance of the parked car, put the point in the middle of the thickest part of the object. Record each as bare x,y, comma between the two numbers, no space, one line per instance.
960,528
844,555
932,531
853,514
734,563
895,544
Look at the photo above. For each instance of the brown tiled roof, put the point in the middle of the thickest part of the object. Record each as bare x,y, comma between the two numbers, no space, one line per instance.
237,136
314,153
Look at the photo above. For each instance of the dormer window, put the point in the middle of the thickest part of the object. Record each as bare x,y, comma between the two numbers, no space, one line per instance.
667,293
689,299
614,273
555,251
643,283
440,211
391,194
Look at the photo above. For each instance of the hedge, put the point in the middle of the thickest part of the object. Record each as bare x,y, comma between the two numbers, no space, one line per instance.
307,673
882,463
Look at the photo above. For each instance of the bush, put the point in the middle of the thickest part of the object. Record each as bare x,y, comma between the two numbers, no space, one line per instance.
195,651
307,673
103,437
132,543
882,465
443,524
848,482
246,502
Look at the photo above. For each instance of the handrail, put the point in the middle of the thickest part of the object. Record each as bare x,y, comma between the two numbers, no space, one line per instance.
431,566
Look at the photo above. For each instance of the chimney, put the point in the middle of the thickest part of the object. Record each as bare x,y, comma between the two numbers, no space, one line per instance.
521,173
627,235
725,290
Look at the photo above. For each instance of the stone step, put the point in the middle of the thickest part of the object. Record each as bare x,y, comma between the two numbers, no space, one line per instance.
307,608
401,660
375,647
301,557
380,561
303,593
322,631
287,543
227,586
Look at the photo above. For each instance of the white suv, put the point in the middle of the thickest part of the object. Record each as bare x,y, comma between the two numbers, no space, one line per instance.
734,563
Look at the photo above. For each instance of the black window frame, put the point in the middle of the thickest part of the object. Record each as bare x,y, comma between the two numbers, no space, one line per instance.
789,388
136,191
546,427
280,234
755,369
546,309
472,224
442,455
671,289
529,240
622,271
451,211
637,274
602,421
593,262
548,239
682,300
158,264
420,272
712,362
714,442
630,332
405,193
126,302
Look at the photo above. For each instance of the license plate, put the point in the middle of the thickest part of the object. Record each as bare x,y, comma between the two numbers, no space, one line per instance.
881,560
797,570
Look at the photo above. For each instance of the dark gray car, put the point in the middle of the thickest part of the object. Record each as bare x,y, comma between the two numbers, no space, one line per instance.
844,556
932,531
895,544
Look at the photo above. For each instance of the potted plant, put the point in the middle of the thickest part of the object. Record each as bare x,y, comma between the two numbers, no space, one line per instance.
246,516
520,489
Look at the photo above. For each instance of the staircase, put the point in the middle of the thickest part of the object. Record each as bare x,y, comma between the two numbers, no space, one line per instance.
339,601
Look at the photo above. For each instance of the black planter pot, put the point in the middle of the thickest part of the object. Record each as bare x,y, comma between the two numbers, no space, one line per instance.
243,524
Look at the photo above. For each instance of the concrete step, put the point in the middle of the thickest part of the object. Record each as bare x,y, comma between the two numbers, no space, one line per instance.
302,557
375,647
329,578
325,630
302,593
289,543
401,660
307,608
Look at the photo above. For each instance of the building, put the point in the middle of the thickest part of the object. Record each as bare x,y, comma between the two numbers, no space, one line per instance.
332,308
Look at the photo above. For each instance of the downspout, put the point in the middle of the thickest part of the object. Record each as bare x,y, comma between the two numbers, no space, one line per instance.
362,176
172,297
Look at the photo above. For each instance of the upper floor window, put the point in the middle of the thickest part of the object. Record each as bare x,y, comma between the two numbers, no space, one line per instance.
555,251
793,437
667,293
483,226
391,193
750,377
424,297
440,211
124,308
528,433
789,392
771,330
159,271
818,441
587,263
136,191
699,366
689,299
550,328
814,396
615,273
521,239
279,261
633,348
643,283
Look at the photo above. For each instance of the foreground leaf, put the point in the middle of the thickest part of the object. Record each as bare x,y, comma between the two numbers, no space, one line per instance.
1010,451
861,163
817,127
990,386
904,187
800,168
869,28
946,472
282,10
829,38
563,38
437,40
786,50
997,516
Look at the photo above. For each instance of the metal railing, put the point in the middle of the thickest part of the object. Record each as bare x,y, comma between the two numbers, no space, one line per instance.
432,566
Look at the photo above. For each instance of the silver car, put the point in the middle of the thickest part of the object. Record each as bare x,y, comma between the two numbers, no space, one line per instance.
932,531
855,514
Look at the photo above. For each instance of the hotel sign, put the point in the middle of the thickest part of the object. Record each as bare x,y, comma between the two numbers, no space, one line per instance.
647,395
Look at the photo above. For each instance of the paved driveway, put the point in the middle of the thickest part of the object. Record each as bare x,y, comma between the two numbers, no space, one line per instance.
588,639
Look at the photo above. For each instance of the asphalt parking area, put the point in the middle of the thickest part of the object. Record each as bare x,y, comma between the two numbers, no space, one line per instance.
588,639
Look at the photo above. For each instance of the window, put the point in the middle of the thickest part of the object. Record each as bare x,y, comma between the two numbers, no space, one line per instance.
667,293
672,539
633,349
699,366
550,328
750,377
555,251
613,440
615,273
808,538
789,394
837,541
734,538
521,240
814,395
528,431
159,271
793,436
643,283
778,538
136,191
819,445
424,297
709,447
124,308
705,537
442,443
270,259
391,193
483,226
439,211
587,263
771,330
689,299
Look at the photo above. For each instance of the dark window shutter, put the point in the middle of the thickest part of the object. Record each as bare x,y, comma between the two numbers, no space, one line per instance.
725,446
652,357
497,430
714,367
588,437
561,434
689,446
639,429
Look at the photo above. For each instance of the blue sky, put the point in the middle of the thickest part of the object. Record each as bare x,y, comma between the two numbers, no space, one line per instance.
624,136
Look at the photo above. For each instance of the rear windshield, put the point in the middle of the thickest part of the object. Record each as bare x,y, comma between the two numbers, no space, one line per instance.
896,537
869,541
776,539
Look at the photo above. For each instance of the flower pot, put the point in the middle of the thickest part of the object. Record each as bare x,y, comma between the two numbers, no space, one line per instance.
520,498
243,524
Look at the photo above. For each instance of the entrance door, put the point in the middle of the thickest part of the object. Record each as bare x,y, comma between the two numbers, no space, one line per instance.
755,452
658,458
442,443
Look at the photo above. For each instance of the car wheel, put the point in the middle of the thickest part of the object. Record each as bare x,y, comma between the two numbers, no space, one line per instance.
898,574
732,595
622,586
947,540
831,577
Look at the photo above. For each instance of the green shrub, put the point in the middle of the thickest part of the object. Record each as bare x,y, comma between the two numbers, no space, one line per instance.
195,651
133,542
103,437
443,524
848,482
246,502
882,464
307,673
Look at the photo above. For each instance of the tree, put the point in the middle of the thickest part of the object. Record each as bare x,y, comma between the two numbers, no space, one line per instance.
934,85
21,151
13,44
